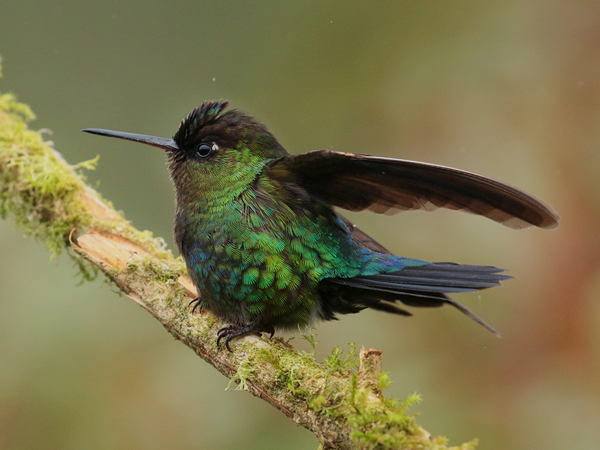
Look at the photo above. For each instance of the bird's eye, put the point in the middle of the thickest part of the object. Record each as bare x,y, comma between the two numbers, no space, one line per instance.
204,150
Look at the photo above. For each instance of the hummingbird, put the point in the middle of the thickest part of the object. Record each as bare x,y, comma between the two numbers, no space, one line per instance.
265,248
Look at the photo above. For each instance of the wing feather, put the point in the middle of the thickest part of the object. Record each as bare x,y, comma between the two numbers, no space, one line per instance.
387,186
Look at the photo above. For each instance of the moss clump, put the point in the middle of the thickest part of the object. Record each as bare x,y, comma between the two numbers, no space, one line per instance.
244,373
336,362
45,194
37,187
334,389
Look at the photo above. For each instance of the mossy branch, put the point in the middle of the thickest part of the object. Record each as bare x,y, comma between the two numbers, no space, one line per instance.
339,400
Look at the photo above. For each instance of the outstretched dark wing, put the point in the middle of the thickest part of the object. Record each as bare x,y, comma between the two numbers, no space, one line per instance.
388,186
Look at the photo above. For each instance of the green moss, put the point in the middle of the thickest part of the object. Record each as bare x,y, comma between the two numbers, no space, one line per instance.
37,187
131,267
377,422
43,193
311,338
383,381
336,362
244,373
86,271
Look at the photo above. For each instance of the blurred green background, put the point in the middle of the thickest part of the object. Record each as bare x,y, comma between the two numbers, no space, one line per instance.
508,89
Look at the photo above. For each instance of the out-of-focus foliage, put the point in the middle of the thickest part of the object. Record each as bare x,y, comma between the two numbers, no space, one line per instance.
510,90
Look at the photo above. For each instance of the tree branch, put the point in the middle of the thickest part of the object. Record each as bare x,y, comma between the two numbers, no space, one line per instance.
342,405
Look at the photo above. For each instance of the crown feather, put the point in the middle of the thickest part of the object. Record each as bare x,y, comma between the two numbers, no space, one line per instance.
203,115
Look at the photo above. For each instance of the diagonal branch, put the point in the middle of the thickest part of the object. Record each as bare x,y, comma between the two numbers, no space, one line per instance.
338,400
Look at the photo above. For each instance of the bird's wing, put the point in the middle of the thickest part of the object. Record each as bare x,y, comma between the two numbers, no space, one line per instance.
388,186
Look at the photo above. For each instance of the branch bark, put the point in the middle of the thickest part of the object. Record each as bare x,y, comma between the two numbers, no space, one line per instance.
342,405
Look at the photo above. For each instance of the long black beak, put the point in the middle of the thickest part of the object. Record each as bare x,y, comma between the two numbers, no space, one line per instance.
165,144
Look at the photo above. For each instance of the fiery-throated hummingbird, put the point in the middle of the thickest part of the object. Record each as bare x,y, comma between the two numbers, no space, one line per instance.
265,249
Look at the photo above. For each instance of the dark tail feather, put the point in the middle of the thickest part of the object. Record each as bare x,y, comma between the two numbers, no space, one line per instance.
423,286
472,315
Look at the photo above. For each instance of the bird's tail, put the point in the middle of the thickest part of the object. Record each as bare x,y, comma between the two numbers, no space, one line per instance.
421,286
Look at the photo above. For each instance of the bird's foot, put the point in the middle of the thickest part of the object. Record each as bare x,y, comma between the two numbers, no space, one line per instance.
198,304
230,332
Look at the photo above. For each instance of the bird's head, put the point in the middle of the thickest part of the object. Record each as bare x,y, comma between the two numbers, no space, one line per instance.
213,149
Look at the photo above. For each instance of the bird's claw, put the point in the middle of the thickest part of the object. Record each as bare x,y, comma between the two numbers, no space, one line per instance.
230,332
198,304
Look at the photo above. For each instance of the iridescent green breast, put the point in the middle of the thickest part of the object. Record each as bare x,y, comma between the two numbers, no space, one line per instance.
261,255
